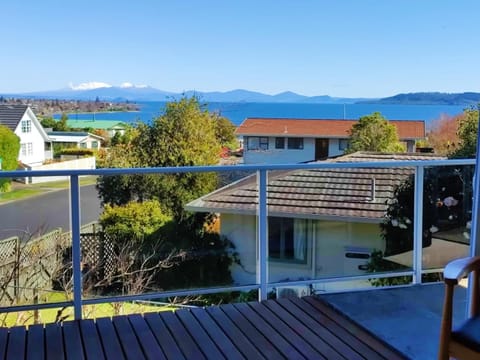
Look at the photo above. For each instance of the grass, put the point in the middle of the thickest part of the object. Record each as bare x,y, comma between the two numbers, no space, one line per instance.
46,316
21,191
19,194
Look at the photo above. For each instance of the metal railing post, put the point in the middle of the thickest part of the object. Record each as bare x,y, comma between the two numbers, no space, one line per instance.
475,227
76,250
418,224
262,276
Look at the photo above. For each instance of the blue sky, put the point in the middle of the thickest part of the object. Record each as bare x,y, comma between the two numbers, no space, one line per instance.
345,48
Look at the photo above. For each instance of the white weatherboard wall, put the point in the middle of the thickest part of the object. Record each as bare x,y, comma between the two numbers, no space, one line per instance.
280,156
35,138
241,231
78,164
332,240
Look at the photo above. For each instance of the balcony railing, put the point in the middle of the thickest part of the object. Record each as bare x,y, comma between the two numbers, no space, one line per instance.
263,282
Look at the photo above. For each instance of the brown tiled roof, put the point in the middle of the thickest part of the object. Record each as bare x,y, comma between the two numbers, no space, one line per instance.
407,129
318,193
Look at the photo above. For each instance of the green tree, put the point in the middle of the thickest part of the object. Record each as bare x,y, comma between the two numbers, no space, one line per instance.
225,133
62,123
374,133
56,125
9,150
133,222
49,122
185,135
467,133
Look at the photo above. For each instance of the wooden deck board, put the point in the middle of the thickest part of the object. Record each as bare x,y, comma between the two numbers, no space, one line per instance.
306,328
182,337
149,344
332,339
163,337
3,342
263,327
336,329
238,338
127,338
35,344
73,340
91,340
310,336
202,339
215,332
110,342
16,343
261,342
54,342
356,330
284,330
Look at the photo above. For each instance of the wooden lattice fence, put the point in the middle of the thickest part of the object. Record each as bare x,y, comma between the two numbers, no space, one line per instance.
98,253
26,268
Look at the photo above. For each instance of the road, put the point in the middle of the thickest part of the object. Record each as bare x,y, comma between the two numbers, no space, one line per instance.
45,212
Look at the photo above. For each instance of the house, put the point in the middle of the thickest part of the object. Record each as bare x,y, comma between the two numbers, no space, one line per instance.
321,222
34,141
275,141
111,127
77,139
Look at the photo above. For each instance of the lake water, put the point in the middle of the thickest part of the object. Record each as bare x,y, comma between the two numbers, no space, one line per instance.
237,112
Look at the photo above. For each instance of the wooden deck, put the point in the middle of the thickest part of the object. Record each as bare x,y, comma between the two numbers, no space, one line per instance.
274,329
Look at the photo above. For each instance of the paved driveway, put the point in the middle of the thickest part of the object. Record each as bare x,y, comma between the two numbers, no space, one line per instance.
40,214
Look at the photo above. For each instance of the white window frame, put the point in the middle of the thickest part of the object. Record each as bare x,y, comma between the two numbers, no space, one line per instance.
26,149
26,126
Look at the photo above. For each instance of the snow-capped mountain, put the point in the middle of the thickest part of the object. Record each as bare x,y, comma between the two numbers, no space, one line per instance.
133,92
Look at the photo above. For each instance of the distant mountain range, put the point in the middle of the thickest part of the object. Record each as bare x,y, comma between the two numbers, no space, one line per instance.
429,98
130,92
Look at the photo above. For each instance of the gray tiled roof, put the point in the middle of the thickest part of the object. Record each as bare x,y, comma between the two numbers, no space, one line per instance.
318,193
10,115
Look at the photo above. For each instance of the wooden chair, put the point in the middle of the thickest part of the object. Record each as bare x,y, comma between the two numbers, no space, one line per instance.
464,342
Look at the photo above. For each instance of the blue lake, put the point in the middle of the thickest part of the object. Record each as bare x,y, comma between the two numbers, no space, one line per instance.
237,112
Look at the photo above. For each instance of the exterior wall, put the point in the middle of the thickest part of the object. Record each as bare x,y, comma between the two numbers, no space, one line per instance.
325,254
279,156
89,142
241,231
334,148
78,164
35,138
410,146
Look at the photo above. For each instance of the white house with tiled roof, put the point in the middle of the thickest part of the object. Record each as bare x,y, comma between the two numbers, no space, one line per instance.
322,222
277,141
33,138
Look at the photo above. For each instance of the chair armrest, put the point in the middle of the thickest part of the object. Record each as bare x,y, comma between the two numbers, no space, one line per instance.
458,269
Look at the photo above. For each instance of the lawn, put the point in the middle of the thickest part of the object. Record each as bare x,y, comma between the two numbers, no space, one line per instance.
22,191
89,312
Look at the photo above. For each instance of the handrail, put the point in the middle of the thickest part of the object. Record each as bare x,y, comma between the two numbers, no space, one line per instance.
243,167
262,277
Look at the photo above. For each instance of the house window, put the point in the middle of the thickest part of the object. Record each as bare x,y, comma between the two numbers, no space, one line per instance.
83,145
279,143
295,143
288,239
343,144
26,149
94,144
257,143
26,126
